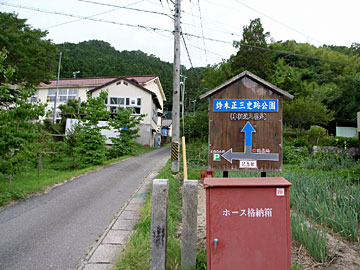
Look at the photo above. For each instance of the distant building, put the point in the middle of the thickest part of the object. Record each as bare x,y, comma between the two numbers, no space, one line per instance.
144,94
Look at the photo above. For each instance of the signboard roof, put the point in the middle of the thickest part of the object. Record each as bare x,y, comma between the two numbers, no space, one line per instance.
255,78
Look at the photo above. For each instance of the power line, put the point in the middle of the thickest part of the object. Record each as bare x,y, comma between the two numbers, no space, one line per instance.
85,18
98,14
271,50
171,31
202,30
193,18
278,22
187,51
129,8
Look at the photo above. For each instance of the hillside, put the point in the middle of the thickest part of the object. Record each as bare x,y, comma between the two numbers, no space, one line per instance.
98,58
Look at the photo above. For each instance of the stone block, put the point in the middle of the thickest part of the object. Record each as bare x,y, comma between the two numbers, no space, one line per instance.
106,254
95,266
189,224
125,225
116,237
158,242
129,215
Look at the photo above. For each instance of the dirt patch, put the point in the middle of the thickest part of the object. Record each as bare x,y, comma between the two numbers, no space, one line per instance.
346,256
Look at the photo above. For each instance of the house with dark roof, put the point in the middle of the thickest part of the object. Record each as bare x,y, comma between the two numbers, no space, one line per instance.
143,94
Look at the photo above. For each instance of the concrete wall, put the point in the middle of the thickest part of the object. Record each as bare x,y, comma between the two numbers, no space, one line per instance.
145,132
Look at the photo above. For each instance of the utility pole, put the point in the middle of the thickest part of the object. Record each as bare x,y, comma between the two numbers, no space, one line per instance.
57,89
176,91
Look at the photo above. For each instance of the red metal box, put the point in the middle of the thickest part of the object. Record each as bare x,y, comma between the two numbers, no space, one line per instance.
248,223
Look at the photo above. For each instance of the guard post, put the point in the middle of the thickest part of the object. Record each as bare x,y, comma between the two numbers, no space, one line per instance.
247,219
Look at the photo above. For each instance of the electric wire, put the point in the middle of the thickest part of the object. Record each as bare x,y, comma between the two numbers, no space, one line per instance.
95,15
187,51
85,17
126,7
195,28
171,31
278,22
202,30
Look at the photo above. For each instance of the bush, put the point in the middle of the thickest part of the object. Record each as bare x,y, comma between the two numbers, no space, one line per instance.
196,127
328,161
315,134
340,142
197,154
294,155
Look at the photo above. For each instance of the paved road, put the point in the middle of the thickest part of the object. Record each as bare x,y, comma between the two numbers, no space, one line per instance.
55,230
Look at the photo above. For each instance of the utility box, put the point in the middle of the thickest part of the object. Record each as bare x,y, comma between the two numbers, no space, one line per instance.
248,223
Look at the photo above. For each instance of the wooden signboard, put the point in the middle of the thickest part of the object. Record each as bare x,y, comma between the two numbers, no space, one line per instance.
245,125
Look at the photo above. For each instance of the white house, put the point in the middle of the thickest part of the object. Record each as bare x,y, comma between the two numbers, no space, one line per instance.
142,93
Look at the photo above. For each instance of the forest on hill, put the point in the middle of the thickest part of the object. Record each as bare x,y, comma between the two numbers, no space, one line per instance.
324,80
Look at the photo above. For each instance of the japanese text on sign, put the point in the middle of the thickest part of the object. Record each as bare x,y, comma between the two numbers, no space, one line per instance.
245,105
249,212
248,164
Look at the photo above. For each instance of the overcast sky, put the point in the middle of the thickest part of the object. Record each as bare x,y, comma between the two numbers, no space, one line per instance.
317,22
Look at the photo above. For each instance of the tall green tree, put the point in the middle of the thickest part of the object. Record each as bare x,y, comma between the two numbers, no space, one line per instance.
126,126
345,99
302,113
91,143
30,53
253,54
18,129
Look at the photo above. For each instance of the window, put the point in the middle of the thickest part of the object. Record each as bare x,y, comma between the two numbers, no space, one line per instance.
63,94
134,103
33,98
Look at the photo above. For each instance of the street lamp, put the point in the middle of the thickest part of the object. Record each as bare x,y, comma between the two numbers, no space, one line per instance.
75,72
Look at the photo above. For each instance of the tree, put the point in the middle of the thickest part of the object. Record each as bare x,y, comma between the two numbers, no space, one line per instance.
345,99
17,121
126,128
253,54
302,112
91,143
30,53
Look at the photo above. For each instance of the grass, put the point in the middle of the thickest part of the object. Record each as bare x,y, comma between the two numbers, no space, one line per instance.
312,237
320,197
54,171
137,251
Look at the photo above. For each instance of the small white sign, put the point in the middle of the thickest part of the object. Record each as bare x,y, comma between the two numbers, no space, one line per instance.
280,192
248,164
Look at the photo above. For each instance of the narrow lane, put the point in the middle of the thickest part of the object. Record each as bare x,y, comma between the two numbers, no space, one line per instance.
55,230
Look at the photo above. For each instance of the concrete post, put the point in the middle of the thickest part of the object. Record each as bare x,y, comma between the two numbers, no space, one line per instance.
189,225
158,242
176,88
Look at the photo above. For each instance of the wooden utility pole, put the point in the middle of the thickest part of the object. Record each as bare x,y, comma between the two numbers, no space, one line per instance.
176,91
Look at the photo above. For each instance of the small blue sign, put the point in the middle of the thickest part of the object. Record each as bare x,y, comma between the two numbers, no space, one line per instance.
245,105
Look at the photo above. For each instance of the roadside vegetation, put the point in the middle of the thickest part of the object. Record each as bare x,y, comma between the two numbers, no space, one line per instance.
35,155
137,251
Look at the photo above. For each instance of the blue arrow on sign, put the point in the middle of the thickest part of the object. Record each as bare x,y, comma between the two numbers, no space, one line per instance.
247,154
248,130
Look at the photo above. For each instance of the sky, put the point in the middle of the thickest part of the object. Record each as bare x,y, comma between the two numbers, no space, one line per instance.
316,22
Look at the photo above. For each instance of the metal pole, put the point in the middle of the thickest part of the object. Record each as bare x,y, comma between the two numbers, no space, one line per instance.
176,90
194,101
57,89
183,102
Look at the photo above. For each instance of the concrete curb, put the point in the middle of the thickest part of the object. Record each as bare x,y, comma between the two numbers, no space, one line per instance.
109,247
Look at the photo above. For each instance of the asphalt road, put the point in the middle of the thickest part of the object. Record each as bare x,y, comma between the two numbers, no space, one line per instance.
55,230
